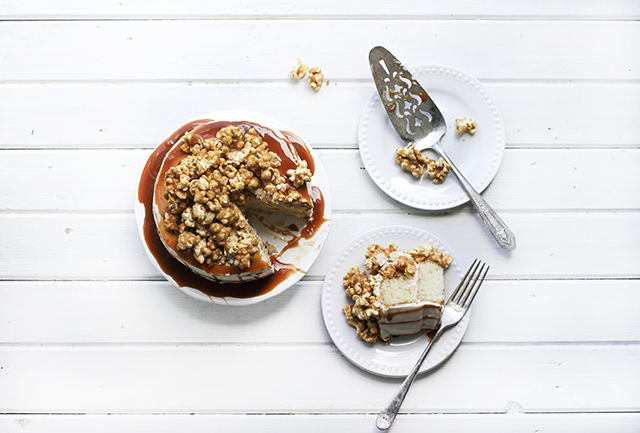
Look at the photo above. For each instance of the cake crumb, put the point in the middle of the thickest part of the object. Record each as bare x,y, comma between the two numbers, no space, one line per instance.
466,124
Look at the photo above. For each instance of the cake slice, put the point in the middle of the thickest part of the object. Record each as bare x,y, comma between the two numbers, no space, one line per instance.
402,294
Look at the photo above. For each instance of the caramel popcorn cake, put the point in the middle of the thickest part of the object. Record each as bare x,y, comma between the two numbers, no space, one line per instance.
207,181
402,293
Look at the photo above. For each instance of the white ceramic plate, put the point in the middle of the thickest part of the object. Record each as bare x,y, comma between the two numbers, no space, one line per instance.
301,256
478,156
396,357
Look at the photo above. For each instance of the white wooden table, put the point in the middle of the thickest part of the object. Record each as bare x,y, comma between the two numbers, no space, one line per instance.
93,339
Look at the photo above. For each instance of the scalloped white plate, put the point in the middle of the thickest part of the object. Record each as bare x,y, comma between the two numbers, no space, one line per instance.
478,156
301,256
396,357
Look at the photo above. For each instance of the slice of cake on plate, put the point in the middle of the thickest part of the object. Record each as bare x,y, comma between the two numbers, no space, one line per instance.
402,294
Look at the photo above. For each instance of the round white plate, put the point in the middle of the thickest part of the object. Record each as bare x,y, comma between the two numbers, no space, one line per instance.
396,357
302,256
478,156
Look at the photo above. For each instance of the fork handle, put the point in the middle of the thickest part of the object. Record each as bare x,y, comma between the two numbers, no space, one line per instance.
388,414
505,237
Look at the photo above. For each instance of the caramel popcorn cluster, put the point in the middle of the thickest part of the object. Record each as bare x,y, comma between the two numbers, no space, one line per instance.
366,308
202,194
466,124
438,170
413,161
300,174
315,77
363,288
299,70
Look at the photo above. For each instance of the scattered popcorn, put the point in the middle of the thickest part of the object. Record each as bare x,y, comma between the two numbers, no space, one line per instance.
413,161
438,170
315,78
299,70
466,124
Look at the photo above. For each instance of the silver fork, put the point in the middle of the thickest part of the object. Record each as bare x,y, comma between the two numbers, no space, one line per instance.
453,312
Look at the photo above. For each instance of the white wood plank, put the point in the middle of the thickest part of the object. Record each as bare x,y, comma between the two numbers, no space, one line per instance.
528,179
566,245
315,423
566,114
357,9
265,49
66,312
550,245
88,115
243,379
144,114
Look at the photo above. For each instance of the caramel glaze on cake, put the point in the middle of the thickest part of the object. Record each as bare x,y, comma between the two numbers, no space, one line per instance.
210,177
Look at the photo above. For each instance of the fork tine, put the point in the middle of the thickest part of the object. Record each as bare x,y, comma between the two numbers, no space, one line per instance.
471,294
459,291
472,280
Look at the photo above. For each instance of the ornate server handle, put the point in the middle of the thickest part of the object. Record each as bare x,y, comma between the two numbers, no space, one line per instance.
503,235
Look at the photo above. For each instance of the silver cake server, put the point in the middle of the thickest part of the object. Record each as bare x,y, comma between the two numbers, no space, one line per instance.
417,120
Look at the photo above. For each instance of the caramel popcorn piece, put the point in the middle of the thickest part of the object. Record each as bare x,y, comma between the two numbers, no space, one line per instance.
438,170
413,161
299,70
315,78
466,124
300,174
367,330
